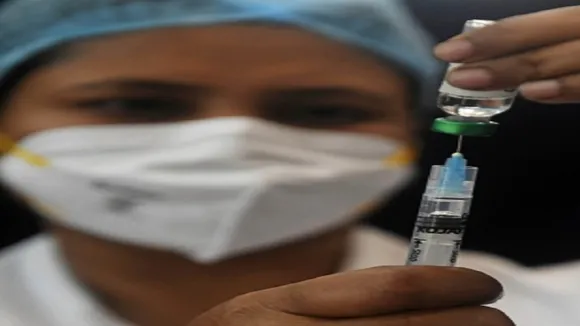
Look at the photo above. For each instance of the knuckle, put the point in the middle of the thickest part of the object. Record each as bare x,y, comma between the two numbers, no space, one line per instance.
550,62
408,320
295,297
532,67
242,310
495,317
404,286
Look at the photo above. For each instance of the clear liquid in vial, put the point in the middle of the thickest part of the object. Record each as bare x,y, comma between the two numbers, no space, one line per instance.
471,104
475,108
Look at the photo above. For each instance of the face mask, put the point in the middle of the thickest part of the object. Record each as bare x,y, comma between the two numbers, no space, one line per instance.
208,189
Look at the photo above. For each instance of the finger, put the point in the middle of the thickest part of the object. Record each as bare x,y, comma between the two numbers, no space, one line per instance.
512,71
472,316
513,35
384,290
556,91
241,312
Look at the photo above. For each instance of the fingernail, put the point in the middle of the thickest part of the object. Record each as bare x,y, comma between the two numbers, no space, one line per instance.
541,90
454,50
470,78
497,299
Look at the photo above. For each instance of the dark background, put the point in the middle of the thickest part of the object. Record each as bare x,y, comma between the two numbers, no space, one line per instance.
526,205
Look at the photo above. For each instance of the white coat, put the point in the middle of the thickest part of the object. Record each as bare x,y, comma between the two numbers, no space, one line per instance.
37,290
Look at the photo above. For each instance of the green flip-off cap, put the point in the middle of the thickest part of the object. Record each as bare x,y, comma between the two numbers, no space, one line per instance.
464,128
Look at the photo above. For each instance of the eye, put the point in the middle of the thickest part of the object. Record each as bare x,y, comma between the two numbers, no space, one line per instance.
324,115
139,108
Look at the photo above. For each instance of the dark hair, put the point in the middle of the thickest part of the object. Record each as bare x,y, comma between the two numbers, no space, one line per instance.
17,74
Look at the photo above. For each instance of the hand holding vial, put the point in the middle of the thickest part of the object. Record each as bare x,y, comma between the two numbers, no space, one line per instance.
538,52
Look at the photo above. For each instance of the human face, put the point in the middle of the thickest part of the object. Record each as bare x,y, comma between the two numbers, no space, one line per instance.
279,74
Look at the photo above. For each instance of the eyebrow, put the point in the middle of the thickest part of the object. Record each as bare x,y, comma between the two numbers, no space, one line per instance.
142,85
339,92
300,92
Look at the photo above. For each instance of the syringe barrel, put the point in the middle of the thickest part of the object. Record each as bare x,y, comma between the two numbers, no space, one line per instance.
441,221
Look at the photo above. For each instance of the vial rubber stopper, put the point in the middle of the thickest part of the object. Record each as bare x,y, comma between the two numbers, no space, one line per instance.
453,126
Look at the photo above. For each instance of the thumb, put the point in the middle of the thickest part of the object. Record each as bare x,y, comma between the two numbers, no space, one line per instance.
359,294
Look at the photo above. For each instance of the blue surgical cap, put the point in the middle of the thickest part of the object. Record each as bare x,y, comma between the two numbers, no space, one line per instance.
384,27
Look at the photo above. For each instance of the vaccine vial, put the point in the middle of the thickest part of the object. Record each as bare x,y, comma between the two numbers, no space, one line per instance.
474,105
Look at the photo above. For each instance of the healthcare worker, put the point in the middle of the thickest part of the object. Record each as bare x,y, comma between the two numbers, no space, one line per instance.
205,162
195,155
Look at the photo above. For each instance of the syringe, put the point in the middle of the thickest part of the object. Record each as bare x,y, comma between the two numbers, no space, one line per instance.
446,202
443,214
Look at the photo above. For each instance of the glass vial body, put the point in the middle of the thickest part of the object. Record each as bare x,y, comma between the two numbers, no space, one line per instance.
477,105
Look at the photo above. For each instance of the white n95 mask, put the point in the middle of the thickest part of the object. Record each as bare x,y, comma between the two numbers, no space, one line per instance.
208,189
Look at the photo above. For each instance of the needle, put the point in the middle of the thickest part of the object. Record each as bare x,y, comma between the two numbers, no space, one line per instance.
459,144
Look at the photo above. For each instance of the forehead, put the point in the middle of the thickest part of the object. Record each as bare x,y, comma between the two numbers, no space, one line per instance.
249,55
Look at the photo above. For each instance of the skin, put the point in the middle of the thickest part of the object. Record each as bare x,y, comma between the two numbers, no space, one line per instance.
280,74
538,52
382,296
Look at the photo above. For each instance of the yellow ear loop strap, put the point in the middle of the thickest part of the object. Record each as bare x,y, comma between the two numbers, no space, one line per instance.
9,147
402,157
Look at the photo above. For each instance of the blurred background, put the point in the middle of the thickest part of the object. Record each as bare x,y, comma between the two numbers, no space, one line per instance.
525,207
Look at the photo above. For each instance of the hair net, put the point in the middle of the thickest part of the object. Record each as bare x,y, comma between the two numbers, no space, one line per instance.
384,27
